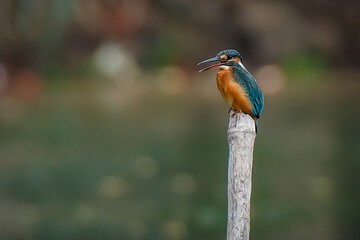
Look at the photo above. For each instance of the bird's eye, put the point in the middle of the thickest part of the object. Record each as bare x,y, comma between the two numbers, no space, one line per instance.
223,57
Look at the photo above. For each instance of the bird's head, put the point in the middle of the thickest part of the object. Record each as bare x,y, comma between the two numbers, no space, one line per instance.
227,57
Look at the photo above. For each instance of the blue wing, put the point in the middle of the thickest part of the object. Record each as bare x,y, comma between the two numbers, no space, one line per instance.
249,84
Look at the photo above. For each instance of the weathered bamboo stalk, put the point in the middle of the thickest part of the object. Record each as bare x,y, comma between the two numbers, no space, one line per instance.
241,138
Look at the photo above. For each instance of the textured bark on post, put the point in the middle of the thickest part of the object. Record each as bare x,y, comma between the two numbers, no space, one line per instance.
241,138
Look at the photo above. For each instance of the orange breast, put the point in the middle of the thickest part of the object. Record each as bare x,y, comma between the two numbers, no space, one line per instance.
232,92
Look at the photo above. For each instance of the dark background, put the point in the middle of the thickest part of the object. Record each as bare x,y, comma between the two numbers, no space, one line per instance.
107,130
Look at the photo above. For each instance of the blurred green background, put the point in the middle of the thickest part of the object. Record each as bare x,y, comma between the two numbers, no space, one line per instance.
109,132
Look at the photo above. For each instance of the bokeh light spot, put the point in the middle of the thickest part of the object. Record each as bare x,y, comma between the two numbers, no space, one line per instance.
271,78
321,187
174,230
112,187
111,59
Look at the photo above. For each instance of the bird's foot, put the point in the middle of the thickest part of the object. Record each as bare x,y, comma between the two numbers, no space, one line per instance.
234,112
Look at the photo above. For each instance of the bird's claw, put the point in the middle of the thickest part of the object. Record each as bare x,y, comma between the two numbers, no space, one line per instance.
234,112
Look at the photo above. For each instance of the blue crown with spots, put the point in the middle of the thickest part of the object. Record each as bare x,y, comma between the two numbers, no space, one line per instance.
230,53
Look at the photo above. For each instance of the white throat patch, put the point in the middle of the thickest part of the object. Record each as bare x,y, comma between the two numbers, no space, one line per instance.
224,67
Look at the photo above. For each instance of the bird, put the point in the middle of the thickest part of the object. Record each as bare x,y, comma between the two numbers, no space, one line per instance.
236,84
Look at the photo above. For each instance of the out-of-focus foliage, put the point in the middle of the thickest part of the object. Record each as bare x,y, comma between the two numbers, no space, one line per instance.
108,131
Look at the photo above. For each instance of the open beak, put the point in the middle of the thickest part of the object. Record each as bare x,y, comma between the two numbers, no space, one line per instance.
211,60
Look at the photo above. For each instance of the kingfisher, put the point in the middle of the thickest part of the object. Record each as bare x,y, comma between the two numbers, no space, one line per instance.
236,84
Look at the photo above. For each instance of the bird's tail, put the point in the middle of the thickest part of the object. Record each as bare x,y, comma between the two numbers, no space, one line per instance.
256,124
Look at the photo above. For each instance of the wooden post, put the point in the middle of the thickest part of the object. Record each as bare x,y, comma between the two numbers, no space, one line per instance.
241,138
